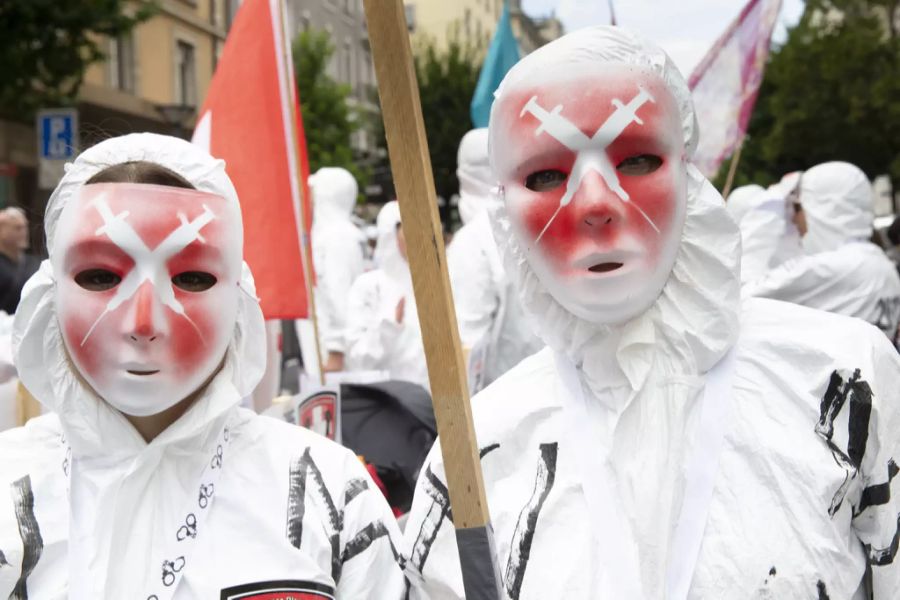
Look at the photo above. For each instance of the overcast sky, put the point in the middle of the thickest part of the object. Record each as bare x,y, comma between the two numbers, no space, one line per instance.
684,28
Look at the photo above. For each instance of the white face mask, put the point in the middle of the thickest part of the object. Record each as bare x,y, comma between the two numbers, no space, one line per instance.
593,168
147,290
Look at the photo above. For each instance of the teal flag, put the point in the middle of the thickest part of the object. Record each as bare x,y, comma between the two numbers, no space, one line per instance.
501,56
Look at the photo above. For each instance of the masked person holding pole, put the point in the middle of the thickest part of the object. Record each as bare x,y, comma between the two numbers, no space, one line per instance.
142,333
842,271
488,310
670,442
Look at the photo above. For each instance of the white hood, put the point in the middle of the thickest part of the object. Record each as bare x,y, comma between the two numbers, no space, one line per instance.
387,253
694,321
92,426
837,199
334,192
474,173
742,200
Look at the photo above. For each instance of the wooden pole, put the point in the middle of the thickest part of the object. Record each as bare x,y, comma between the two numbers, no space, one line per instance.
414,182
732,168
291,94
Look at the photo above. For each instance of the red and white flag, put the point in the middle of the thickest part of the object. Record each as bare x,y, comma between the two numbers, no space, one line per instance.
251,118
725,83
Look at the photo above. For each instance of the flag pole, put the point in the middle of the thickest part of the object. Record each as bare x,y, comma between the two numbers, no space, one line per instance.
411,166
294,140
732,168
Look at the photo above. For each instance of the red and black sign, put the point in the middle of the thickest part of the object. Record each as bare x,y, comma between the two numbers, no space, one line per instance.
279,590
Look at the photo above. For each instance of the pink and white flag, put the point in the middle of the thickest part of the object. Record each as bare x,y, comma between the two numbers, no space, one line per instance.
725,83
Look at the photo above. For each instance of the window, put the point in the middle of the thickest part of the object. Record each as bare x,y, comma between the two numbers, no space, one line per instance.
121,63
186,72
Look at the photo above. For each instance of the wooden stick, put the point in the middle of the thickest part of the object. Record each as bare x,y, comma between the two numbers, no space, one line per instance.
411,167
735,159
305,259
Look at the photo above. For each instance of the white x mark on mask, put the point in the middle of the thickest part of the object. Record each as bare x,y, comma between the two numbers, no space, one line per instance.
149,265
590,151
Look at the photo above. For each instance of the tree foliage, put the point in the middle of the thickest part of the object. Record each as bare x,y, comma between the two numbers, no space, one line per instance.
328,120
447,81
830,93
46,46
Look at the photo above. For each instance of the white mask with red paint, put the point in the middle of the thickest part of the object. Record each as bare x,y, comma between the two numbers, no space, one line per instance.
147,290
595,186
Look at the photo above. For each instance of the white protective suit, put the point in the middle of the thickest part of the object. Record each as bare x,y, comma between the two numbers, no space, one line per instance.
375,340
232,503
698,450
338,252
842,270
488,310
768,236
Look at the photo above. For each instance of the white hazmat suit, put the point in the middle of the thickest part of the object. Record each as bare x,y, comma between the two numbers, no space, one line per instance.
338,254
687,447
375,338
768,236
842,271
487,307
221,504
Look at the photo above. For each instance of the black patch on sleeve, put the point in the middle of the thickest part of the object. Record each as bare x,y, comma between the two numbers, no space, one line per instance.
881,557
297,493
823,593
523,535
29,531
3,561
773,572
266,589
836,396
876,495
355,487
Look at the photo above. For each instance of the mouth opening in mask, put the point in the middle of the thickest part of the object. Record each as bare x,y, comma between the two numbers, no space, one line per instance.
605,267
142,373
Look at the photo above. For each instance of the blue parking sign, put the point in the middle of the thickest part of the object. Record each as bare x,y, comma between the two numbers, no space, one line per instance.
58,134
57,140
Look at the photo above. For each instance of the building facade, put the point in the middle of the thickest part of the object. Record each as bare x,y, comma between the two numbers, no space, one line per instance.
153,79
472,22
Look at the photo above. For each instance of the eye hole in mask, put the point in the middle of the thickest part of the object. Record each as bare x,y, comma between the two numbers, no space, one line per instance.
642,164
544,181
194,281
97,280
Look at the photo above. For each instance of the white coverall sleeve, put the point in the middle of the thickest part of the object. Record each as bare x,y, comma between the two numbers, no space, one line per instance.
343,263
430,538
799,281
876,511
372,565
474,295
371,334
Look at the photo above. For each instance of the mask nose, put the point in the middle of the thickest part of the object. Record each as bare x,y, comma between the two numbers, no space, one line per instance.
144,322
597,205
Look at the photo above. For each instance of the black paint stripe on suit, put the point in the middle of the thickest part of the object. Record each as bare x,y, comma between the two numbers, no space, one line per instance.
296,509
523,535
876,495
880,557
29,531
